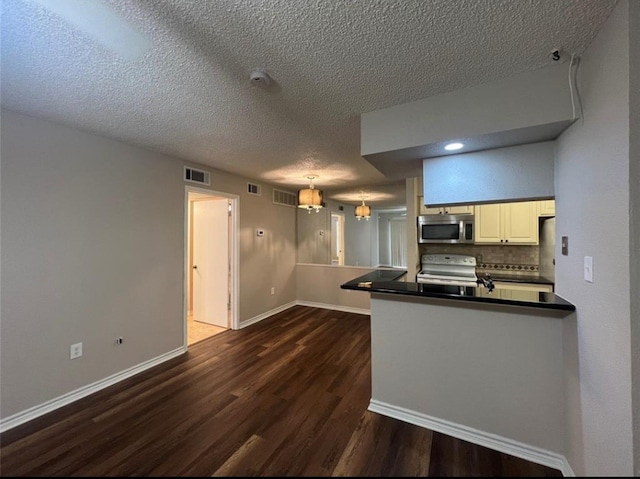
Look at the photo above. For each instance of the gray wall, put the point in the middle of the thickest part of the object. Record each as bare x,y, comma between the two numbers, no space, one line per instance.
93,248
592,209
384,243
361,237
524,100
492,369
501,174
319,285
634,217
313,236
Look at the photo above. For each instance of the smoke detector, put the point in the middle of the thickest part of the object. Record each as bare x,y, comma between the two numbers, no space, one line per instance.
260,78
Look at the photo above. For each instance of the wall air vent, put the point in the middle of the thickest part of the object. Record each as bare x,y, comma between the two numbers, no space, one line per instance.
254,189
197,176
285,198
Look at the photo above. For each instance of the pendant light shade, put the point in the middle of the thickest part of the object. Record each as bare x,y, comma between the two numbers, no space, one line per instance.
363,211
310,198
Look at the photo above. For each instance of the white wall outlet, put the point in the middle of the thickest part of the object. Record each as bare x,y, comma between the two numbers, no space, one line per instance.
588,269
273,290
259,232
75,351
119,340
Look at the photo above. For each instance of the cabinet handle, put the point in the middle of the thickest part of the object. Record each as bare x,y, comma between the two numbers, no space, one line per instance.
506,241
501,241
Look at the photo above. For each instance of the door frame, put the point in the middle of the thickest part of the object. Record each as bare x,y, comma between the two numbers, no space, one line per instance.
341,221
234,241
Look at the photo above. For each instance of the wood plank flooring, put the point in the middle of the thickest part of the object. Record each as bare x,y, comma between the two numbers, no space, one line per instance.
287,396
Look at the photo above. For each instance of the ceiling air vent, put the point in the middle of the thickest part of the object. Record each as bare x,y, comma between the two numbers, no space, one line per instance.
285,198
254,189
196,176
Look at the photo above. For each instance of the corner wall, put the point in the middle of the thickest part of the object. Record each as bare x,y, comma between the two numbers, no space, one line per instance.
93,248
592,209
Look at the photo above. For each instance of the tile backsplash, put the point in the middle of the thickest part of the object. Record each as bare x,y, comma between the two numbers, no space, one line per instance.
514,259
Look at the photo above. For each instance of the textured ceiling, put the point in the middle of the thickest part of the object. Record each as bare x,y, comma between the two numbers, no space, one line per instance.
173,75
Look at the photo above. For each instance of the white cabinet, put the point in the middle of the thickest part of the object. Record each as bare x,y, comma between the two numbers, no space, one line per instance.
547,208
445,210
514,223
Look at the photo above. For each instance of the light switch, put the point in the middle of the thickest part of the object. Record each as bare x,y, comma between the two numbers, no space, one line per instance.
588,269
565,245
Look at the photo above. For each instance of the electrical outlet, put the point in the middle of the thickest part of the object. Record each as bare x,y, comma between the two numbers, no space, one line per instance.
273,290
119,340
75,351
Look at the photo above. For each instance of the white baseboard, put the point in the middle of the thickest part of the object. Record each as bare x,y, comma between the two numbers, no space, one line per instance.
335,307
475,436
37,411
265,315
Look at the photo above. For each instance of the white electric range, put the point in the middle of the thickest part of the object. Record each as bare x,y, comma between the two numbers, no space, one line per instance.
448,269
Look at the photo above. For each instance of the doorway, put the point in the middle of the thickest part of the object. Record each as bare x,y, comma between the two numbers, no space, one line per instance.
337,239
211,264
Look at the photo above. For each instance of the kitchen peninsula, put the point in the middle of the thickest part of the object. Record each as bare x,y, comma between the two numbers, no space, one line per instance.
443,357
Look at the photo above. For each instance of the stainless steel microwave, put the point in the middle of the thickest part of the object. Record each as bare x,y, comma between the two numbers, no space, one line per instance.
446,229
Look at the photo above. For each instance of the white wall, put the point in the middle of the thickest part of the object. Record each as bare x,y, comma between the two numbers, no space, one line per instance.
501,174
592,209
93,248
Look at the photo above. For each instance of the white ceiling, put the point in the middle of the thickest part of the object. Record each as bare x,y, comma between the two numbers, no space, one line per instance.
173,75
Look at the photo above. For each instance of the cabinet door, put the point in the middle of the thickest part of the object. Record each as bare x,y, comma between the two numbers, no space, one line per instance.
427,211
520,222
488,223
433,211
458,210
524,286
547,208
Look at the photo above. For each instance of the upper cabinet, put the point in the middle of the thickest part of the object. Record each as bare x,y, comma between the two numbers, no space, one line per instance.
546,208
445,210
513,223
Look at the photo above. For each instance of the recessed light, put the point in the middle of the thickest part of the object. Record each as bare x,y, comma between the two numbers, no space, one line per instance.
453,146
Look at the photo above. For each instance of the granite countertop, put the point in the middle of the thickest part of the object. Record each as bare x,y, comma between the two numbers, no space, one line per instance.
389,281
379,275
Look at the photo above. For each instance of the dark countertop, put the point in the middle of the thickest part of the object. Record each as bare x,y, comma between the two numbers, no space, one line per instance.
379,275
517,278
387,281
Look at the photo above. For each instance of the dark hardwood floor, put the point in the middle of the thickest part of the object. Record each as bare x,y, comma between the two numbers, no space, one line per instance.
287,396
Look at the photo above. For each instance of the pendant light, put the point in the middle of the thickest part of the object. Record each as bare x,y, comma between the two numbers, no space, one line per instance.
363,211
310,198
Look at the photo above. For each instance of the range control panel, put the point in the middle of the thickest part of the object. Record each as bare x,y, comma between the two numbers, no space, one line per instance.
449,259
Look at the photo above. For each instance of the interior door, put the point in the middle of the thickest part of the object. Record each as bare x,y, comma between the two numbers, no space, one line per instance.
337,239
211,261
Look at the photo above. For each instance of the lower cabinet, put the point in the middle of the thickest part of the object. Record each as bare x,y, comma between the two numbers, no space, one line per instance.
515,291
